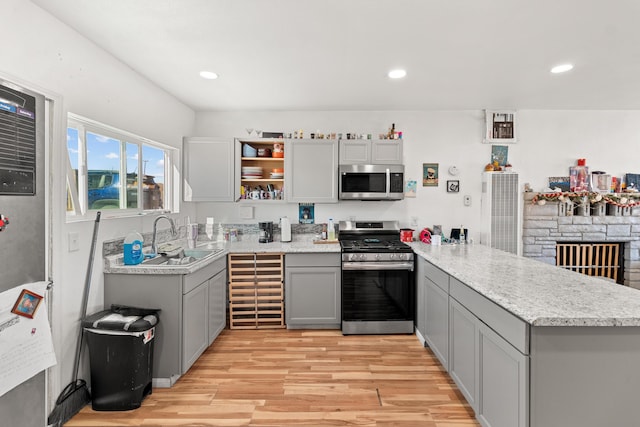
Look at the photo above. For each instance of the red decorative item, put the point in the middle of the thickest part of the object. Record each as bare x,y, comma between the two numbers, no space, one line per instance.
4,221
425,236
406,235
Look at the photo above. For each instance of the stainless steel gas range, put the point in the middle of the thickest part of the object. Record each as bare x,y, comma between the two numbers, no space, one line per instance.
378,283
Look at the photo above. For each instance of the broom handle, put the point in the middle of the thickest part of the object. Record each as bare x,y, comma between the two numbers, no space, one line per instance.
85,298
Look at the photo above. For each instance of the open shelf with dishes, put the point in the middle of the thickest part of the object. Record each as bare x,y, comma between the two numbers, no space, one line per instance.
261,168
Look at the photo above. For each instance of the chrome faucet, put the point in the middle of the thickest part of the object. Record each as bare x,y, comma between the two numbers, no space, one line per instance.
154,247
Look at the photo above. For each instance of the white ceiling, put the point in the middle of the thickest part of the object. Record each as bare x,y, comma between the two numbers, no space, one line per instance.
335,54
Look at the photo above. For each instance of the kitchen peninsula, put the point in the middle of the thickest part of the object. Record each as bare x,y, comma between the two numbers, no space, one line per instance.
530,344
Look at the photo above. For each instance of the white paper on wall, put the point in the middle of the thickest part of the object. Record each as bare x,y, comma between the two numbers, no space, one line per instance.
26,347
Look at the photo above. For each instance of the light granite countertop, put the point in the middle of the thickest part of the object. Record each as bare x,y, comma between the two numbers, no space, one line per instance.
301,243
539,293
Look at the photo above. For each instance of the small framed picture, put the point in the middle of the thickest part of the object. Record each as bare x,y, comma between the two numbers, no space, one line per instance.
306,213
27,304
430,174
453,186
410,188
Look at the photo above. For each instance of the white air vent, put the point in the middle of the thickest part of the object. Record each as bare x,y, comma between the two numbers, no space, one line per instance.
500,210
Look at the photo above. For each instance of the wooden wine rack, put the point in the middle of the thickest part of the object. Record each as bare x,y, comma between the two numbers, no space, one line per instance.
256,291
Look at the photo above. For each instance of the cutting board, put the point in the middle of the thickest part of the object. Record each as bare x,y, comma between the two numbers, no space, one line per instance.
324,242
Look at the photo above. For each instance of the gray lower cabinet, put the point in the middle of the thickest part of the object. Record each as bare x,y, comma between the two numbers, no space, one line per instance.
183,332
437,321
195,324
463,351
217,305
313,291
504,382
432,309
484,348
421,306
491,374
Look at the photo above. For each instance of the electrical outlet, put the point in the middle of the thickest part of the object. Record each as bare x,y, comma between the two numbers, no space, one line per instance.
74,242
467,200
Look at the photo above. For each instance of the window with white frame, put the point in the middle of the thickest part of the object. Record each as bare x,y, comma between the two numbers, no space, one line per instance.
112,169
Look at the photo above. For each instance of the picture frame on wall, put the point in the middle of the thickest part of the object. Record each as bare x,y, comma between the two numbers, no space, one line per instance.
500,154
411,188
453,186
500,126
560,182
306,213
430,174
579,178
601,182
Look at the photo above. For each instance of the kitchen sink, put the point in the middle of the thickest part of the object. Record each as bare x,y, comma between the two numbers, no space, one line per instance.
200,253
186,257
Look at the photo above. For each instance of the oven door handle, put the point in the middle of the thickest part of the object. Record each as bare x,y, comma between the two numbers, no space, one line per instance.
352,266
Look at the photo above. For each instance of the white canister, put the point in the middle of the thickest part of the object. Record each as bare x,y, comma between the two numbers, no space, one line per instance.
285,229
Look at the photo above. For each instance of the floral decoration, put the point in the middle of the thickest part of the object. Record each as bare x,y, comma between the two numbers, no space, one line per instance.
617,199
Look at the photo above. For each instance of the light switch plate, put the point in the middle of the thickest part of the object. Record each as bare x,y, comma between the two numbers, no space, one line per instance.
74,241
467,200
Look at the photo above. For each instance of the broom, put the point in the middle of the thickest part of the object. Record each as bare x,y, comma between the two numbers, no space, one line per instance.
75,396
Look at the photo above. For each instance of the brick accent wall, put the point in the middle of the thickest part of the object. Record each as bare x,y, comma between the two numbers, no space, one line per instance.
544,225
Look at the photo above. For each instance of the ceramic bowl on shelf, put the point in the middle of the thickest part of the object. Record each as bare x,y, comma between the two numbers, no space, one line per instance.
264,152
249,151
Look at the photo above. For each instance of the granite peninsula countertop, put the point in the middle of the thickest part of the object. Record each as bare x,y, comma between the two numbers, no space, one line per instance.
301,243
538,293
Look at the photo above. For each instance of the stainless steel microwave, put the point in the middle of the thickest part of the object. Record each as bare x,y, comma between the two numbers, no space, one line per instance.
371,182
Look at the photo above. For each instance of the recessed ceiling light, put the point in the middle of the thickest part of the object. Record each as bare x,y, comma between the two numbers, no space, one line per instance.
563,68
208,75
397,74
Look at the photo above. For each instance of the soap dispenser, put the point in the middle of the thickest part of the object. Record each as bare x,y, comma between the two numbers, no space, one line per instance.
285,229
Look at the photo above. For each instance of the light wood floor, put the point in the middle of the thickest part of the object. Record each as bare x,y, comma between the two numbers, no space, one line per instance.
302,378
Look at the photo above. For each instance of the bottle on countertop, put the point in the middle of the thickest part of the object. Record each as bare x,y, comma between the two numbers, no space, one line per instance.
463,238
324,232
133,248
331,230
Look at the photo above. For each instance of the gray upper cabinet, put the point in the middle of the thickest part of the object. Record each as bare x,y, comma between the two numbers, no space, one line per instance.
208,169
374,152
311,170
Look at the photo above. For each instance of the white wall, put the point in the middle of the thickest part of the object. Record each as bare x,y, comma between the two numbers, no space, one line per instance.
549,142
44,55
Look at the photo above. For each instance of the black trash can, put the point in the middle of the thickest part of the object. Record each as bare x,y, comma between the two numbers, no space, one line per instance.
120,344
